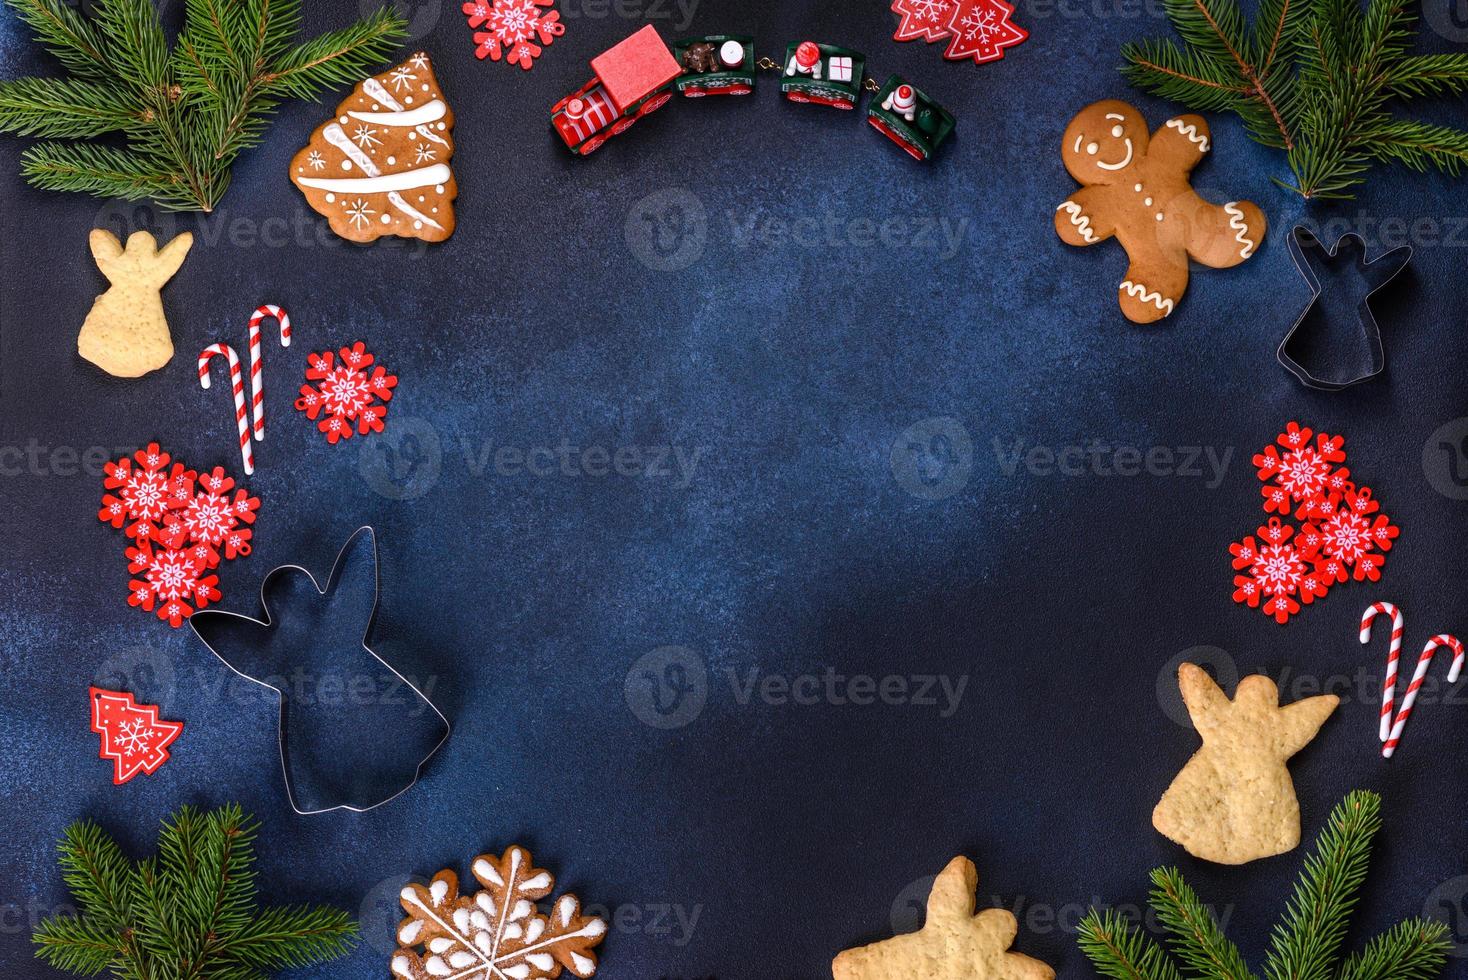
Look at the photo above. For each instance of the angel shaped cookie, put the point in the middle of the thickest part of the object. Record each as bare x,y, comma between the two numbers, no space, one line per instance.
1137,188
1234,801
953,944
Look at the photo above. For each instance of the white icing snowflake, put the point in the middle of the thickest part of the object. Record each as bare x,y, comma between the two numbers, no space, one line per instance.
360,213
134,736
419,60
979,25
424,152
401,78
316,160
366,137
930,10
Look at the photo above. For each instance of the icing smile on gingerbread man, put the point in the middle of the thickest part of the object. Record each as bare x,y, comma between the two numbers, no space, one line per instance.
1135,187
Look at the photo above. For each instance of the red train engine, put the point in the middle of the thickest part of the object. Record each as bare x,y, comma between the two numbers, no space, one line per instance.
633,78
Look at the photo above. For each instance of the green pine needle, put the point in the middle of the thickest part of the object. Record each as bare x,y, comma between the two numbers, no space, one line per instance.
187,112
1315,78
188,912
1307,941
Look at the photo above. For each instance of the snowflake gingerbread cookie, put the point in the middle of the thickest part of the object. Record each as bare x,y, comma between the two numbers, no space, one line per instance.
497,933
1136,188
380,167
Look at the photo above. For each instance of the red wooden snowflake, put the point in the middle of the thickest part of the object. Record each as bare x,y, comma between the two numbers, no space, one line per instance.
171,583
1305,471
133,737
144,491
926,19
512,29
210,520
1277,571
981,30
346,393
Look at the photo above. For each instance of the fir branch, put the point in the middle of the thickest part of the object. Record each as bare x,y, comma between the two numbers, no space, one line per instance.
1413,950
1121,952
1307,942
55,107
187,113
1196,937
187,914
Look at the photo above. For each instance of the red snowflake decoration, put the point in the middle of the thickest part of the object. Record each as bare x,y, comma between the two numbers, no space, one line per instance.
179,523
1342,536
925,19
981,30
133,737
346,393
512,29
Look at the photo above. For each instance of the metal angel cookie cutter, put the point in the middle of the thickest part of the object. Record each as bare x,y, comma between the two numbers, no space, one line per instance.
1337,332
364,731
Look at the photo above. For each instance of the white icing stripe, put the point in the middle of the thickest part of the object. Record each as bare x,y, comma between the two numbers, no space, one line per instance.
412,212
427,133
1081,221
1237,222
374,88
1191,132
337,137
1138,291
1120,163
380,184
426,113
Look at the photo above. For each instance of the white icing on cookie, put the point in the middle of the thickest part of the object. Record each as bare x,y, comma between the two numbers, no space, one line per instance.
426,113
1078,218
1191,132
1241,229
1123,162
374,88
382,183
1137,291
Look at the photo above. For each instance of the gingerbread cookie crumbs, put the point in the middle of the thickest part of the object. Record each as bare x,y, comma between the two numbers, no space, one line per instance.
1137,189
380,167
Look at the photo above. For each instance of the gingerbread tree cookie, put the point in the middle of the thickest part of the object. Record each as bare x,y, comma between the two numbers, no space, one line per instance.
381,166
953,944
1234,801
1137,188
498,932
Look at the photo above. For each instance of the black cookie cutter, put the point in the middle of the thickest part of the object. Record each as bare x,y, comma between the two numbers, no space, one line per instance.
1319,266
345,634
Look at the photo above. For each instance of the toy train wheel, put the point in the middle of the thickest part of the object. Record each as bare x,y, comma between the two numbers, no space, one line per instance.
654,104
622,125
694,93
591,145
797,97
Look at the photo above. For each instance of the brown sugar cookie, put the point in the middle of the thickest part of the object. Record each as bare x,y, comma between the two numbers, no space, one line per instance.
125,333
1137,188
380,167
1234,801
953,944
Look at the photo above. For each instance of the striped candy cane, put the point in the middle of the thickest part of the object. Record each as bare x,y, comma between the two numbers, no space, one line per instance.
257,377
236,378
1423,662
1389,684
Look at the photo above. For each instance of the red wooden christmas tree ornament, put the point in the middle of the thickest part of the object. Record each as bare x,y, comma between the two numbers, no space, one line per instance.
132,735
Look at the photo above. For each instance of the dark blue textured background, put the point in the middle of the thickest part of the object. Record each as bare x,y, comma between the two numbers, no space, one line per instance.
790,830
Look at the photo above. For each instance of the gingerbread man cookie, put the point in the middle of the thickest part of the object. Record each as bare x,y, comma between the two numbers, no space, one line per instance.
1137,188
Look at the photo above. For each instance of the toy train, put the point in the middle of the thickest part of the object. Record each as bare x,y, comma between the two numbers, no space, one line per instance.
638,76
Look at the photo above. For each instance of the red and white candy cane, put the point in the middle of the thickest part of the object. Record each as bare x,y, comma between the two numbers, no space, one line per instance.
267,312
1423,662
237,378
1389,684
